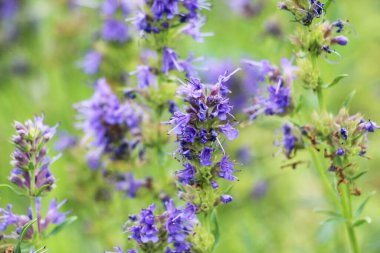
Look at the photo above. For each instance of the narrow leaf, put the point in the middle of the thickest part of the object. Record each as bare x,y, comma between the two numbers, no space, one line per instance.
215,228
362,221
328,212
361,207
349,98
359,175
61,226
12,189
335,81
41,190
22,235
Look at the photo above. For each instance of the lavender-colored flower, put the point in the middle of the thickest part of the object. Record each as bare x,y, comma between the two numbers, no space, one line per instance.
226,198
146,230
91,62
31,155
206,156
128,184
8,218
340,152
230,132
170,61
173,107
8,8
289,140
226,169
145,77
371,126
244,155
260,189
340,40
110,125
344,133
115,31
186,176
214,184
180,223
279,94
65,141
53,216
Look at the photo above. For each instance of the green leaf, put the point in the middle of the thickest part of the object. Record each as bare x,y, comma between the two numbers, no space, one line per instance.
362,221
359,175
22,235
334,82
329,213
41,190
228,189
349,98
13,189
299,104
215,228
61,226
363,204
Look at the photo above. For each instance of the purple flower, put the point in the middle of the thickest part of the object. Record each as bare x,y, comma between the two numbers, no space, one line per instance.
109,7
65,141
53,216
260,189
145,77
158,9
230,132
340,152
8,9
27,159
244,155
128,184
146,230
340,40
214,184
91,62
206,156
114,30
186,176
112,126
180,223
170,61
226,169
371,126
289,140
226,198
344,133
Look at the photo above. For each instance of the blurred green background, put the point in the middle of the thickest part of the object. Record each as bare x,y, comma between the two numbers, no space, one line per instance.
39,73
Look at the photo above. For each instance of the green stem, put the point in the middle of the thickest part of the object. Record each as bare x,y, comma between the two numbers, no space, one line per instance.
331,192
348,215
32,199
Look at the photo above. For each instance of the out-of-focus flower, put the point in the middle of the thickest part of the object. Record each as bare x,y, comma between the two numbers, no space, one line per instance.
112,127
91,62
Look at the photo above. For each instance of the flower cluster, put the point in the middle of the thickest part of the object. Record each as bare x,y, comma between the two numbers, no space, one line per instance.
169,232
304,11
111,126
9,219
30,160
291,140
342,138
114,30
126,182
160,16
278,101
200,129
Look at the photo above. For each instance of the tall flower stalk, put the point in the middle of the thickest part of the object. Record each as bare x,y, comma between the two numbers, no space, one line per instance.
32,175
